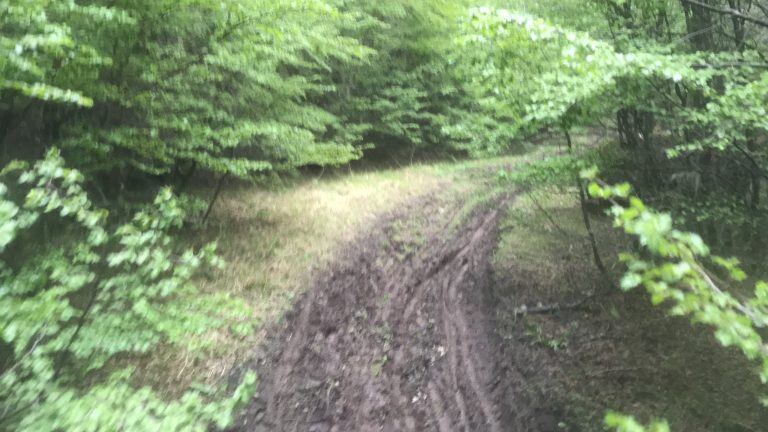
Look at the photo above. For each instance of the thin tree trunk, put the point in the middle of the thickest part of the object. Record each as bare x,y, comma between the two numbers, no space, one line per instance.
215,197
584,213
80,323
187,177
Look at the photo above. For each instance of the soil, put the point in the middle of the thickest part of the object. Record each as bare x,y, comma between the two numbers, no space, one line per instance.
410,331
398,337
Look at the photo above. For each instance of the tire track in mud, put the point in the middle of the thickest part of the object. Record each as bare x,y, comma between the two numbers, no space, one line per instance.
457,333
385,343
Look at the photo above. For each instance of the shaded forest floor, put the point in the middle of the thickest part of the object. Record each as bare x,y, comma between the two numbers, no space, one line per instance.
386,301
615,351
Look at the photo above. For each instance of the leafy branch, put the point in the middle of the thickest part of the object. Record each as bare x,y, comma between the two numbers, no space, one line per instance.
676,271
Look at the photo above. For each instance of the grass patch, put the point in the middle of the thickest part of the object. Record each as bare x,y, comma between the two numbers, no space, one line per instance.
542,231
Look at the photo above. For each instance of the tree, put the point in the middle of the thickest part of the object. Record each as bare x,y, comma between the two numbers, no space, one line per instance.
708,98
71,304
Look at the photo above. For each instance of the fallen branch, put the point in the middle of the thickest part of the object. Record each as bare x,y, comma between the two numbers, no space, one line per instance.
597,373
541,309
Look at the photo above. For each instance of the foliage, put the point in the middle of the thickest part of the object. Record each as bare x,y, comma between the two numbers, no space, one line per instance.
553,76
570,77
240,87
551,171
560,170
411,93
185,89
141,95
685,84
73,303
36,42
628,424
175,85
680,271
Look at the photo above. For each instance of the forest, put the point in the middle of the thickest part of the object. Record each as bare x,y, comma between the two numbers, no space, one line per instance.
383,215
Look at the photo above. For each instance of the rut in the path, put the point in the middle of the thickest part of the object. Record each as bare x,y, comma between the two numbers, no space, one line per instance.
391,343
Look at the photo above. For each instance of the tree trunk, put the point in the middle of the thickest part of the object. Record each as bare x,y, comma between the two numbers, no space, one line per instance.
584,212
187,177
215,197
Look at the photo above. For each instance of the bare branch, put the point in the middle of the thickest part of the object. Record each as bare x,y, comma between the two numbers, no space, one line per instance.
729,11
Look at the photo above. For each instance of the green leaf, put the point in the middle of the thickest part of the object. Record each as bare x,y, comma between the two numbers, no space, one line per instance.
630,281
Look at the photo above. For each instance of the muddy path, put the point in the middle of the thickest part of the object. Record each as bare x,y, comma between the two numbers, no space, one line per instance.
399,336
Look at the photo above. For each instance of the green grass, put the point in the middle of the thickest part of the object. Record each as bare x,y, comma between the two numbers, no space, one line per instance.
531,237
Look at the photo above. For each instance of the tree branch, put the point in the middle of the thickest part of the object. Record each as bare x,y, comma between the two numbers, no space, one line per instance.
728,11
541,309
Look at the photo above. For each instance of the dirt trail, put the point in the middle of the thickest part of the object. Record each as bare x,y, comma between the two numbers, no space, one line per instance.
398,337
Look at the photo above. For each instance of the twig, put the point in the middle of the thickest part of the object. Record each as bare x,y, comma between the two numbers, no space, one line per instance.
730,65
614,370
215,197
28,353
758,320
555,307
